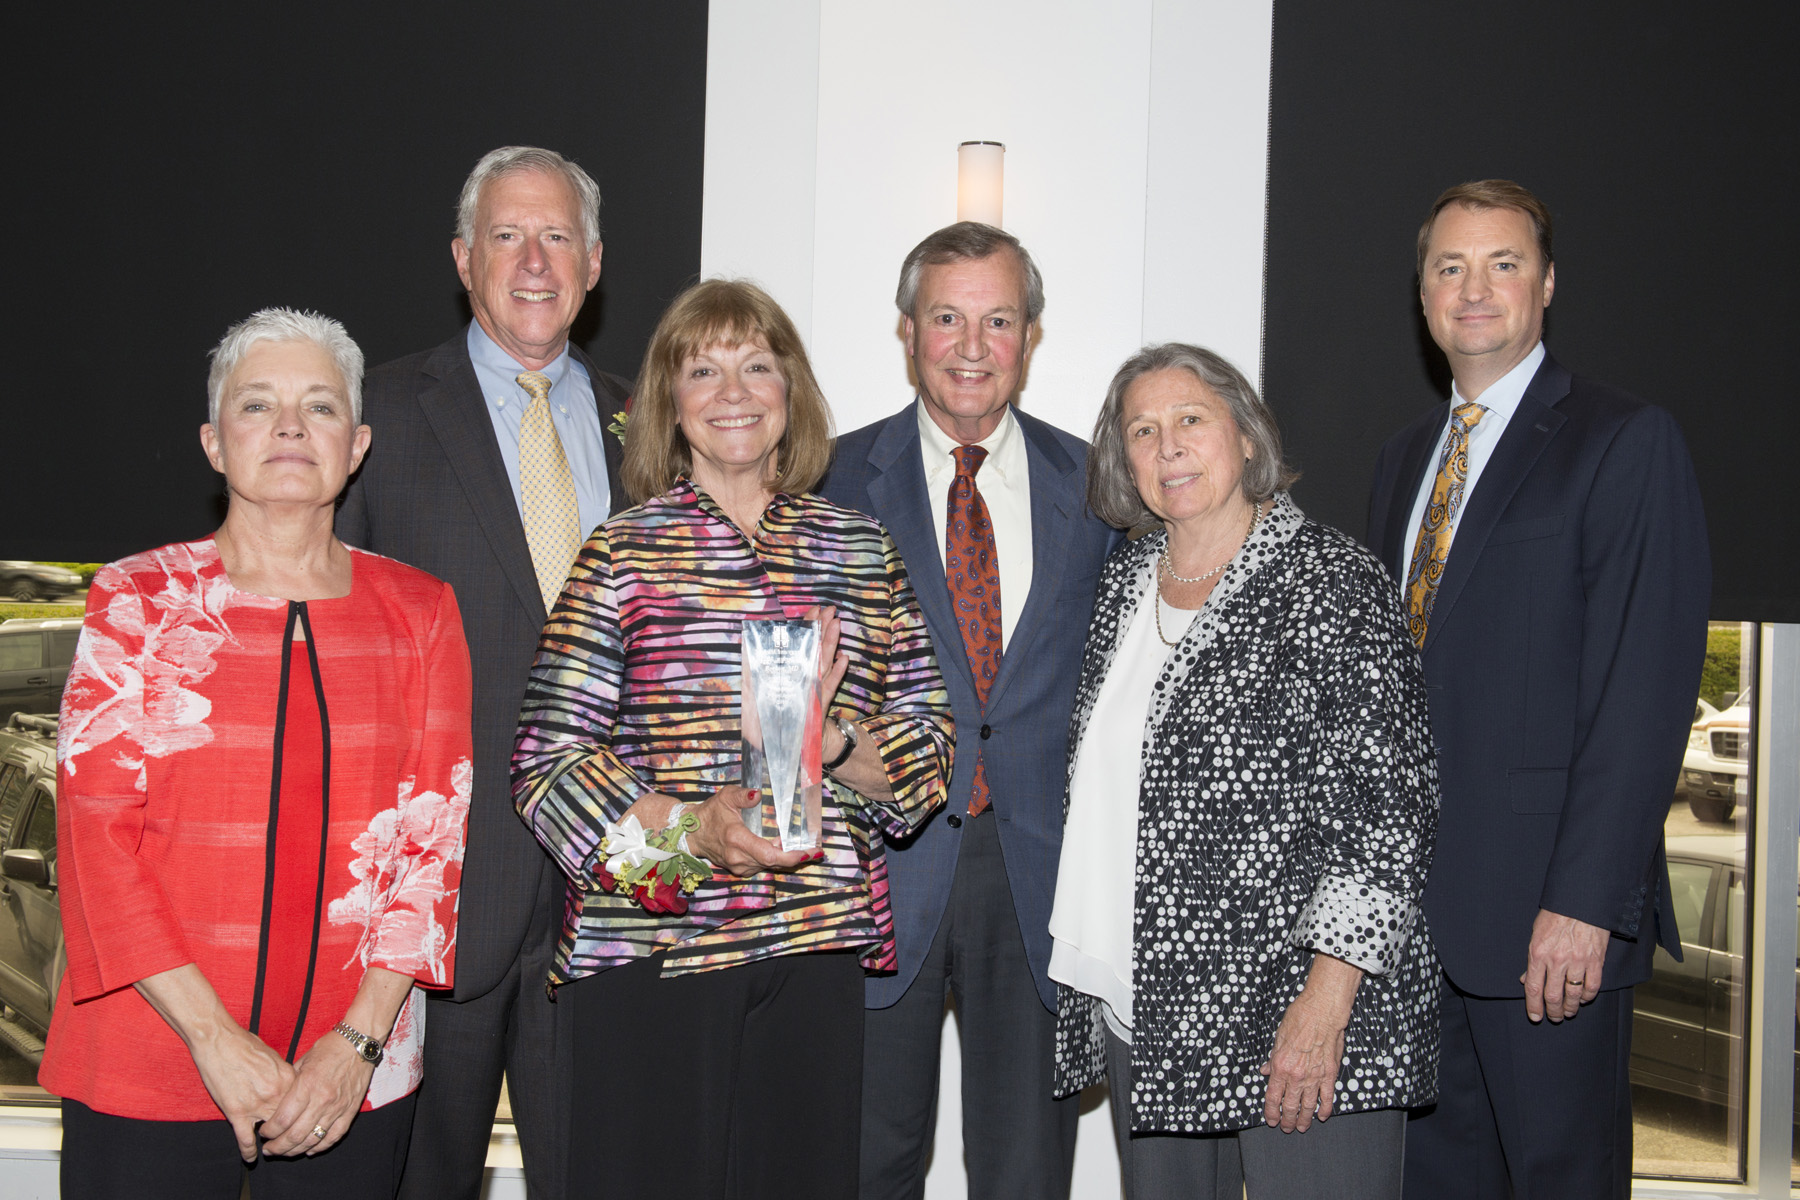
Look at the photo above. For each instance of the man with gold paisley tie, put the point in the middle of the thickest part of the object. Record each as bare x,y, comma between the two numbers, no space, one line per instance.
1548,536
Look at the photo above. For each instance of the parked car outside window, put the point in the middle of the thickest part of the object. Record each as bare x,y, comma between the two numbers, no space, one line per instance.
31,941
1715,772
35,654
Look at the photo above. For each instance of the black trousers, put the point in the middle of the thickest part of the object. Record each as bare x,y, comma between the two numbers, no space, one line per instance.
123,1158
1530,1112
738,1084
1018,1143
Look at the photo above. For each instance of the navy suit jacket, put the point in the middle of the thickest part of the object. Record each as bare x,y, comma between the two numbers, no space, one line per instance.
434,493
1024,734
1562,661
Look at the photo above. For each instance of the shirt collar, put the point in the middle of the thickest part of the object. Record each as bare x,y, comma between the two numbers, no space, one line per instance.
485,352
1503,395
1002,445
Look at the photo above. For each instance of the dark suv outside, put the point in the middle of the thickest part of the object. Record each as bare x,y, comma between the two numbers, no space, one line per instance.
31,940
27,581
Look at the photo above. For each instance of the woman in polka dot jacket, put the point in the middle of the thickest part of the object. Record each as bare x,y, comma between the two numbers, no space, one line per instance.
1251,807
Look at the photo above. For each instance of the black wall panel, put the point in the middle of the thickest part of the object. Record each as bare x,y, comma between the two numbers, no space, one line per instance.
1661,136
171,175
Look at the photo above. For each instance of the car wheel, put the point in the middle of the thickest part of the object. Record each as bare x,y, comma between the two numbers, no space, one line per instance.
1711,808
22,590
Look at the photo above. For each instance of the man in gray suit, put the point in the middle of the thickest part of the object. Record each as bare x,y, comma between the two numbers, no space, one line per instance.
988,508
494,464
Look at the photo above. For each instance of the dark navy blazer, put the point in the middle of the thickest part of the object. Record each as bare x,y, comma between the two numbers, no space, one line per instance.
878,471
1562,661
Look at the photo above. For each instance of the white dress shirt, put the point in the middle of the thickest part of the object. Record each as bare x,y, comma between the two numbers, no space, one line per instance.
572,411
1004,481
1501,401
1092,947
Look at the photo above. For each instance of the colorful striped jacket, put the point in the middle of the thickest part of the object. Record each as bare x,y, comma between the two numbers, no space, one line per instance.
636,689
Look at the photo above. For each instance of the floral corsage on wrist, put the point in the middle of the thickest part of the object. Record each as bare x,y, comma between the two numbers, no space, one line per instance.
655,869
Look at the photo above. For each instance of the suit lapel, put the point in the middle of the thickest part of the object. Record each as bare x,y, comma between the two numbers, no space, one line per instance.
1397,538
1529,431
457,413
897,494
1056,504
607,401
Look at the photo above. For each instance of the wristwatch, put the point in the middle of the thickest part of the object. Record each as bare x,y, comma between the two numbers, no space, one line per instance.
368,1047
849,733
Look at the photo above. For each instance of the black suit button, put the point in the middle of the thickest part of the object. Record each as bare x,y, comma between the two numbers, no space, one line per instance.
985,732
954,821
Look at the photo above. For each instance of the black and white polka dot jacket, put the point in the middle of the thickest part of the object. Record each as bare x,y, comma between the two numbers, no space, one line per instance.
1288,800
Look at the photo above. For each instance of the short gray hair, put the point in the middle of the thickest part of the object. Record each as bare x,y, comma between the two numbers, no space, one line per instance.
1112,492
516,160
963,242
285,325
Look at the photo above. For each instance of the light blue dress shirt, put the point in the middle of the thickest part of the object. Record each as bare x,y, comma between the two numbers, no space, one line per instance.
1501,399
572,411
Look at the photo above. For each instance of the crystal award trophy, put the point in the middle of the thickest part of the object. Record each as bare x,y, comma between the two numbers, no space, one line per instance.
783,720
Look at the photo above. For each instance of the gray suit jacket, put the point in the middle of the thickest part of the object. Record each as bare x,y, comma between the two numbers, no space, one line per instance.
434,493
1024,734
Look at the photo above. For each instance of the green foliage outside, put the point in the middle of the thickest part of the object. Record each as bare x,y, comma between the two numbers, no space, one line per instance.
1724,656
34,611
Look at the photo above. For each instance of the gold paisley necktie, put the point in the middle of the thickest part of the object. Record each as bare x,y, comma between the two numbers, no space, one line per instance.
546,491
1433,545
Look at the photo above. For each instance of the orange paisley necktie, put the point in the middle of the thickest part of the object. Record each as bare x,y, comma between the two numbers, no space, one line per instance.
1433,545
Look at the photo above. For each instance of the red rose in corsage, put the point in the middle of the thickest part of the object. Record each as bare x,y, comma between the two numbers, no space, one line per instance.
654,869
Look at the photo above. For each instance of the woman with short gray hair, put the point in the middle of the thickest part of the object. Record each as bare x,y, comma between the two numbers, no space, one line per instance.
1252,799
264,754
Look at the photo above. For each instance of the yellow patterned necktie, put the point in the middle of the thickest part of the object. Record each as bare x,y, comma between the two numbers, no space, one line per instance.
547,492
1433,545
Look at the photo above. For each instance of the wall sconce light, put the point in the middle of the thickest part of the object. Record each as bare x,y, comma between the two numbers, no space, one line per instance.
980,181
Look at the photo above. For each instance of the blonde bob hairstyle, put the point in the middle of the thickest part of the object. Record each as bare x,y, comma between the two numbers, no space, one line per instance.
722,312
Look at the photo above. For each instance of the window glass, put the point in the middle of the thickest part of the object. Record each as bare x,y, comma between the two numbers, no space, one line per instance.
1689,1020
62,646
21,651
40,830
1688,885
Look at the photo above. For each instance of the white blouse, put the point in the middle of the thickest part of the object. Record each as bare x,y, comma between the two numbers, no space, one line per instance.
1091,924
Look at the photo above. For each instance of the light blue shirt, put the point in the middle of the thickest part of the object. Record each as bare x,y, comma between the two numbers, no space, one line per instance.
1501,400
572,411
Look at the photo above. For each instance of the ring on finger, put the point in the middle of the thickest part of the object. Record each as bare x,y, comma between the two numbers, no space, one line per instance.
318,1131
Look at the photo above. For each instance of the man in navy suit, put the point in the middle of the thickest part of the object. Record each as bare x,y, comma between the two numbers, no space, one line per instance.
972,891
1548,534
445,494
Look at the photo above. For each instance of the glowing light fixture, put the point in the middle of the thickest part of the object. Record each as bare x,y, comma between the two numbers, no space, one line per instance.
980,181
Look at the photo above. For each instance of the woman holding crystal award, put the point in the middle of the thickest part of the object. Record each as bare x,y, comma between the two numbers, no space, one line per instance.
731,629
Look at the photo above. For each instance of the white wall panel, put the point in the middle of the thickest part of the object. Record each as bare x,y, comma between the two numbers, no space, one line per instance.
762,77
1208,175
1066,86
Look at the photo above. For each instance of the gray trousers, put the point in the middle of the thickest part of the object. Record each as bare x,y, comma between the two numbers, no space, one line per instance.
1018,1143
1352,1156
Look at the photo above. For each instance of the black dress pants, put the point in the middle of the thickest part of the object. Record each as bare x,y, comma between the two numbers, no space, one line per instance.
738,1084
124,1158
1526,1112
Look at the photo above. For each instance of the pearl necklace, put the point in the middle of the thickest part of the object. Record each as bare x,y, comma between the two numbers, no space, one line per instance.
1164,562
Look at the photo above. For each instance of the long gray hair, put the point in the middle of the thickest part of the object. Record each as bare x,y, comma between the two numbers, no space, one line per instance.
1112,492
